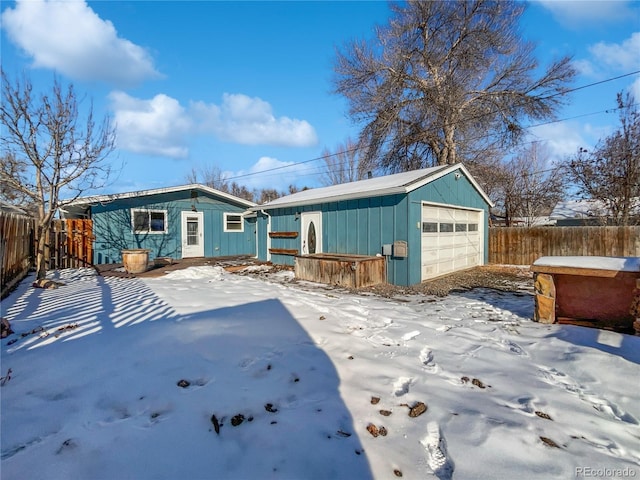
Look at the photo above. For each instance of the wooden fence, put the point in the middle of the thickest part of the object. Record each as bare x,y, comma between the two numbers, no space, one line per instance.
522,246
16,248
69,244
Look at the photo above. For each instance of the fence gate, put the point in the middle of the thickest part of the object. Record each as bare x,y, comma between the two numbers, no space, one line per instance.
70,244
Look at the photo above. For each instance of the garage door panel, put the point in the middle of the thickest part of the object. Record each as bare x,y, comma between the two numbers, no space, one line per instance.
450,240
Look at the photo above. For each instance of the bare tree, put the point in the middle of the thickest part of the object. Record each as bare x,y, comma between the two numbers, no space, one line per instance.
210,176
527,185
50,150
610,173
346,164
445,81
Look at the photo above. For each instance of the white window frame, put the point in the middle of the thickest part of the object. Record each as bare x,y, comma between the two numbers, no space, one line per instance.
149,211
226,222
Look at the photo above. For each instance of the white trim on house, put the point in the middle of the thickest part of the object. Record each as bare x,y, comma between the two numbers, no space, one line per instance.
225,222
398,183
82,203
149,212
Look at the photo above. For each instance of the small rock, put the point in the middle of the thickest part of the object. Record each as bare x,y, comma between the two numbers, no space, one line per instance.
154,415
417,410
373,430
216,424
322,317
478,383
549,442
464,379
237,420
382,431
375,400
397,473
183,383
273,422
68,444
269,408
343,434
543,415
385,413
350,357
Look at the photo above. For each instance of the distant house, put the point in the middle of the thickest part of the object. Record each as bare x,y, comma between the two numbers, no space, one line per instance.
426,222
573,213
178,222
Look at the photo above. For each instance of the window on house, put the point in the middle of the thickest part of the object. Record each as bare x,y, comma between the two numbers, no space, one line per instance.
461,227
233,222
149,221
473,227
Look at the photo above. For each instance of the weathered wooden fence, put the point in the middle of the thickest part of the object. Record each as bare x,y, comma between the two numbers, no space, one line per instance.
70,244
16,248
522,246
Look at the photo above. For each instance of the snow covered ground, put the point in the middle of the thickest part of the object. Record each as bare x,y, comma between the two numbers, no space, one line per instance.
281,380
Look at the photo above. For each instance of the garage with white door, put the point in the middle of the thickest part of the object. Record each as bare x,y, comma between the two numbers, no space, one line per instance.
451,239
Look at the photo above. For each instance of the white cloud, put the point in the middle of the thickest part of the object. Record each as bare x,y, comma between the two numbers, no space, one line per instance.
578,13
69,37
159,126
285,174
561,139
250,121
618,57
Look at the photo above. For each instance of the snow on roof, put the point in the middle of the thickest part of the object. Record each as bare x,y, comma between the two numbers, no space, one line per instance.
620,264
588,208
372,187
85,201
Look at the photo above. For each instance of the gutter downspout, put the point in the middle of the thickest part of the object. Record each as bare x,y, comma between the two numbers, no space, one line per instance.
268,231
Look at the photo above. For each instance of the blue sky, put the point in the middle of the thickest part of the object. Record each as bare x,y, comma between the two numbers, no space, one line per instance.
246,86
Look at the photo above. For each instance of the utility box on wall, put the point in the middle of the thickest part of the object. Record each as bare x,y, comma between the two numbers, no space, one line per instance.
400,249
387,249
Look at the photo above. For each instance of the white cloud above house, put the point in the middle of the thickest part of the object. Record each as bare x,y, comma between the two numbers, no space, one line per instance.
269,172
579,14
159,126
70,38
162,126
250,121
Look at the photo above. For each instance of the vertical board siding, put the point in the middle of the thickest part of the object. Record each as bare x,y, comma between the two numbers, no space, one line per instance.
16,248
113,230
523,246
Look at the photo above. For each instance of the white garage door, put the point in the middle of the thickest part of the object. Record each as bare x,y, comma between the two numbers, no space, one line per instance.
451,240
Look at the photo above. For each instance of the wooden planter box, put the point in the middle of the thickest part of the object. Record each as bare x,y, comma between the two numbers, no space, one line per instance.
353,271
574,292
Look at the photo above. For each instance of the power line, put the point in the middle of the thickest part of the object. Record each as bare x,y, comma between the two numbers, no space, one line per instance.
322,157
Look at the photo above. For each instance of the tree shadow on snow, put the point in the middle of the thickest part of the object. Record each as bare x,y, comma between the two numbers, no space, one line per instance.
260,398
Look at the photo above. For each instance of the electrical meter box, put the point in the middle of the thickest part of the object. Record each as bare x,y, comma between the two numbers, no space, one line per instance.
387,250
400,249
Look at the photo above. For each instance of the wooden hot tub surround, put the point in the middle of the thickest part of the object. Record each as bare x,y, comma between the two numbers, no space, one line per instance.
593,291
353,271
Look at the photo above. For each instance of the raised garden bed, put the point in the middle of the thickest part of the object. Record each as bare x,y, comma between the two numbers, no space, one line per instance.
591,291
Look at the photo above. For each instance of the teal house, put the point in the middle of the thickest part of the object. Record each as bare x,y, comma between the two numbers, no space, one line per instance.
178,222
426,223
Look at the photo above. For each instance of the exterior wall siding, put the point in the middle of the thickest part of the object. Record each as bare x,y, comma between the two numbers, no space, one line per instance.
113,231
363,226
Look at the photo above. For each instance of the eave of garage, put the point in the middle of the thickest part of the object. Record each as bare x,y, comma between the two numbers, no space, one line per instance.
399,183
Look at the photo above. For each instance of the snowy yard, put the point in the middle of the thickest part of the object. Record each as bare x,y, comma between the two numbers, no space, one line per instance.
291,380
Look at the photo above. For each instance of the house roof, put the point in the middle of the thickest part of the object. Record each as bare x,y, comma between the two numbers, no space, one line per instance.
398,183
8,208
84,202
572,209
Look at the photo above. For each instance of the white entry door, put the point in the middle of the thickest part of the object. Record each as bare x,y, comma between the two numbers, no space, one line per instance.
311,241
192,234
